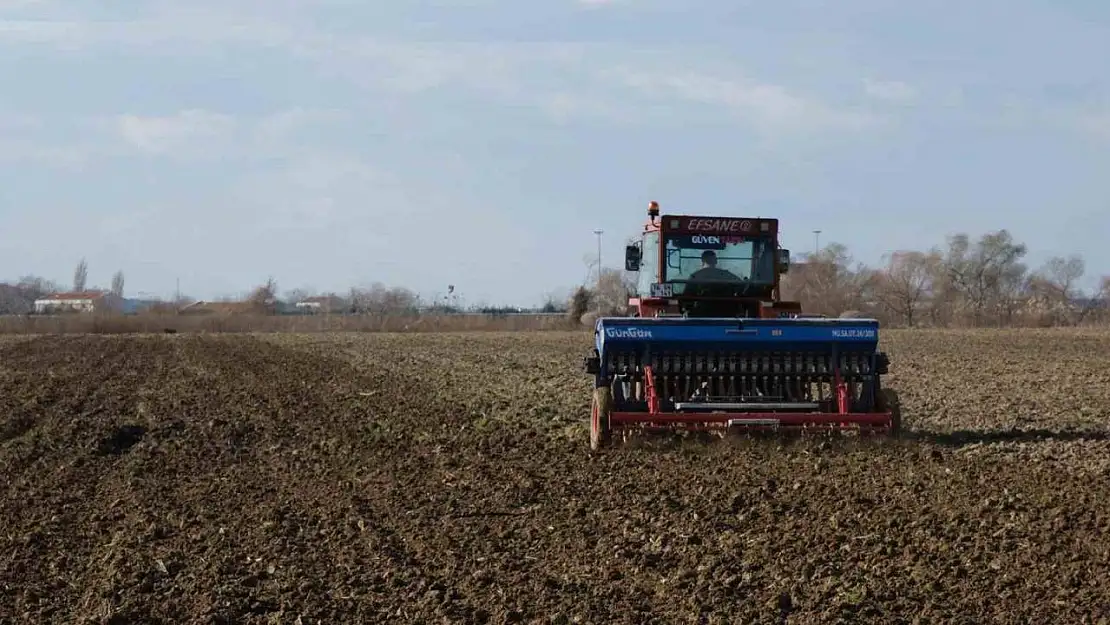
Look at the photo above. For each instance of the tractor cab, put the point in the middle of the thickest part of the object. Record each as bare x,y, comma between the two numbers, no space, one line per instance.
708,267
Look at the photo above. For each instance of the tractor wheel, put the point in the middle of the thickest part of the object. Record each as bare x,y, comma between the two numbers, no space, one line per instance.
599,418
888,400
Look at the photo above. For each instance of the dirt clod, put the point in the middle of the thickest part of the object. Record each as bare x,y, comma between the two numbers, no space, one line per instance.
121,439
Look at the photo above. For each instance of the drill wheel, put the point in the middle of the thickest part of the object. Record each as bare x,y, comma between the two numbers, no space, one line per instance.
600,434
888,400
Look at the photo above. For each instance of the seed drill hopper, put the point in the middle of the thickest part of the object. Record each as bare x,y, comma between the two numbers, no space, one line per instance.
710,345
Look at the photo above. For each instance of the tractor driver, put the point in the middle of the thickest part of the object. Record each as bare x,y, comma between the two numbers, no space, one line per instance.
709,271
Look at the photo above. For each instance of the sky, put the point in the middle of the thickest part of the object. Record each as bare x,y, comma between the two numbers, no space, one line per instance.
479,143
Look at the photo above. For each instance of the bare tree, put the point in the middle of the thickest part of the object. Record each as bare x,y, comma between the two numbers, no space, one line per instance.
826,284
19,298
13,301
1063,273
36,287
1101,303
81,276
381,299
988,274
579,303
264,296
1012,292
1052,290
555,302
398,300
944,299
906,281
613,289
117,284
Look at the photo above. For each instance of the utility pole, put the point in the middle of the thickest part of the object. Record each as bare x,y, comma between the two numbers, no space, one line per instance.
597,295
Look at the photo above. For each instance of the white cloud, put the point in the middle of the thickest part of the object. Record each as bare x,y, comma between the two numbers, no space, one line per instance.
67,143
567,80
768,107
562,81
558,80
23,151
493,68
311,190
7,5
890,91
953,97
283,125
180,25
565,107
179,132
18,121
77,142
197,133
1096,124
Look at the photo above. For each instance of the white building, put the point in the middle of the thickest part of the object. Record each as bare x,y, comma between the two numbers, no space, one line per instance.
320,304
81,301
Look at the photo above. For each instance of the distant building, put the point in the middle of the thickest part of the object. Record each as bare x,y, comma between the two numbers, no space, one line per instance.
320,304
78,301
217,308
230,308
131,306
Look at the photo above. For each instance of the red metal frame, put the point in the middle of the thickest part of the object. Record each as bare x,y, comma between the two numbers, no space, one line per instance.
786,419
649,390
841,390
841,419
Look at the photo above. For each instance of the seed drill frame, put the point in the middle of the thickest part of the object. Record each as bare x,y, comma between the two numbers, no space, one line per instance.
731,357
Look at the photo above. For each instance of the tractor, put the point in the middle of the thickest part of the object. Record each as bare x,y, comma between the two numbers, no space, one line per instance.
710,345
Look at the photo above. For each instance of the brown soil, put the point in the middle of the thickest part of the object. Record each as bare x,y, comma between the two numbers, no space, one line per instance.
447,478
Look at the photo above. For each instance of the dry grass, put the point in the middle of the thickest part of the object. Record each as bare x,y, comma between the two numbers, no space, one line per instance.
140,324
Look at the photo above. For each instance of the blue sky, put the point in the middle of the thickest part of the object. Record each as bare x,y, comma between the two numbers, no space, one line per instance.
332,143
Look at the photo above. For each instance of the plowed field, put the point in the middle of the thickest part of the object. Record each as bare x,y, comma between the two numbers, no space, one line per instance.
447,478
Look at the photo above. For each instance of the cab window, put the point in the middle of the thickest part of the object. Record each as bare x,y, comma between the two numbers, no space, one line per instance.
649,264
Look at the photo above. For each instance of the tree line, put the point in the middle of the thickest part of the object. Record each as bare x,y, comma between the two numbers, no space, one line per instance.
978,283
965,282
969,283
19,296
